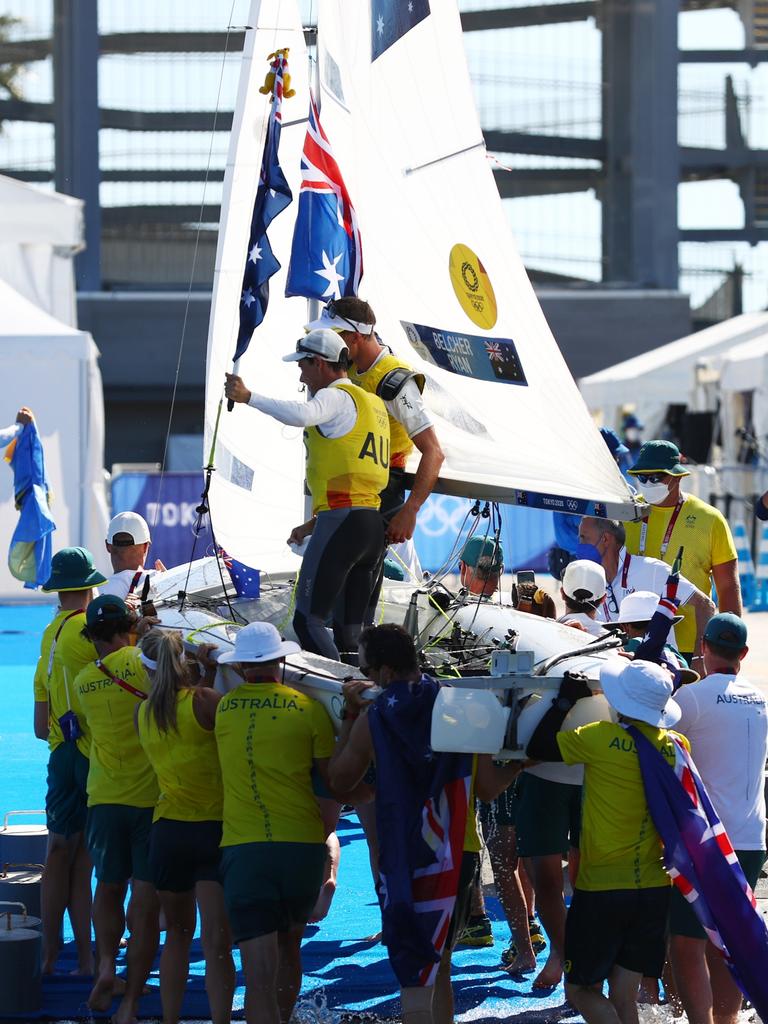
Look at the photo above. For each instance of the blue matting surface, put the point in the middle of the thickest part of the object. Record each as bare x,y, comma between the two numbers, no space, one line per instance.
342,970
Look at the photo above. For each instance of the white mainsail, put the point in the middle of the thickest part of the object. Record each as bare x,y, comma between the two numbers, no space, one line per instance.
441,270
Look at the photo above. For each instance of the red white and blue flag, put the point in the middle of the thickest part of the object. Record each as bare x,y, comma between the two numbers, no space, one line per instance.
326,253
272,197
701,862
422,802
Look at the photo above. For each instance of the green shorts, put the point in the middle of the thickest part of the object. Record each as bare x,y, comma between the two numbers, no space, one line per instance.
118,842
271,887
548,817
502,812
66,799
682,919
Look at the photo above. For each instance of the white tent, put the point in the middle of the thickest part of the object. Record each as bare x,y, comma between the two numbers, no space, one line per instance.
54,369
41,233
650,382
744,394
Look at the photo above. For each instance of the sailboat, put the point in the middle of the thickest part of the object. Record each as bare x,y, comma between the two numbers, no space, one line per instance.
441,271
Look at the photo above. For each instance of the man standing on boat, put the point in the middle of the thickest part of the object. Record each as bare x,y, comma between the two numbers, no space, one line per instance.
625,573
377,370
682,520
128,543
346,431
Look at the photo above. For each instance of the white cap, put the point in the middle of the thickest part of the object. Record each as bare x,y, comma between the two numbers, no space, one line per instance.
130,523
323,344
584,580
640,689
259,641
334,321
640,607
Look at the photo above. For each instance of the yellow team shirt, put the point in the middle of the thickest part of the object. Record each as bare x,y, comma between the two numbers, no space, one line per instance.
352,470
369,381
268,735
120,772
59,663
703,533
186,763
620,847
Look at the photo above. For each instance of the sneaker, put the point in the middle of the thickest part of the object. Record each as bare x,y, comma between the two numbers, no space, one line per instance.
538,939
477,933
538,942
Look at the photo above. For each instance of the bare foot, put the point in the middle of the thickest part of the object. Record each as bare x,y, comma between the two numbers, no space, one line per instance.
323,904
118,989
82,972
102,993
550,975
126,1013
48,968
521,964
373,938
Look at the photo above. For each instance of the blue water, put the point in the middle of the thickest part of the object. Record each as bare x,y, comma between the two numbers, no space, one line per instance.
343,971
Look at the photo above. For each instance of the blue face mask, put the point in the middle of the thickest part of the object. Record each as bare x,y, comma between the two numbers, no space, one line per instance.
589,552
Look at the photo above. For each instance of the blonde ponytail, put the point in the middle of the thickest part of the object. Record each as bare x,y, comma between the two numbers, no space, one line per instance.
164,647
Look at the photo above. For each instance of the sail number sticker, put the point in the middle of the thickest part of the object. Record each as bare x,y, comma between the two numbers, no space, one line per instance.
472,286
467,354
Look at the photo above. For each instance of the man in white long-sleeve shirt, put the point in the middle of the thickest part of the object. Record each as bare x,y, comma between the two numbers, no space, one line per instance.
8,434
346,431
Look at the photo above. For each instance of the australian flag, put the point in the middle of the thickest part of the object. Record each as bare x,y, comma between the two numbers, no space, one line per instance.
245,580
326,254
702,864
391,19
422,802
272,197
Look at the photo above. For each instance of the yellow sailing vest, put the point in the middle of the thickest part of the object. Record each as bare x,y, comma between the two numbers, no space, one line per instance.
350,471
119,772
186,764
268,736
369,381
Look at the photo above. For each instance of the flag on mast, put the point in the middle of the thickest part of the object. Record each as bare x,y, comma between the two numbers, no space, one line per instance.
326,253
272,197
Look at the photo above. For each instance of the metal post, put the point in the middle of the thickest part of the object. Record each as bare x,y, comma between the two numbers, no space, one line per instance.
642,165
76,103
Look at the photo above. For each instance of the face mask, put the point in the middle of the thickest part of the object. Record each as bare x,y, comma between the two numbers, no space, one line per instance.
654,494
632,434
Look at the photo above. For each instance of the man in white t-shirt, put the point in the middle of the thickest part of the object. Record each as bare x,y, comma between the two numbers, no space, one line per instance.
128,543
627,573
583,591
725,721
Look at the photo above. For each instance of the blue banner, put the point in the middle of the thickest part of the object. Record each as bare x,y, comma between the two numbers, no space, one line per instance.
169,508
470,355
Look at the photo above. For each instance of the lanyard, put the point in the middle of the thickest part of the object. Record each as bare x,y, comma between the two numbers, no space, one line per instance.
135,581
668,533
625,570
120,682
52,651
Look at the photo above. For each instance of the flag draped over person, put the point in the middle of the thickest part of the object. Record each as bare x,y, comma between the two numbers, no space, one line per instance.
422,801
700,859
31,548
272,197
326,253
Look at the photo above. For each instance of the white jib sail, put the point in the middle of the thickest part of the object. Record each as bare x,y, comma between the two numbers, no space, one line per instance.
256,493
440,267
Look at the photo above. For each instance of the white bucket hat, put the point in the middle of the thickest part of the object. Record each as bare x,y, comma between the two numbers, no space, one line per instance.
584,580
640,689
640,607
259,641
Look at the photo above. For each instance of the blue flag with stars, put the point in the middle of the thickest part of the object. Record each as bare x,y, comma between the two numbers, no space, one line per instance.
272,197
391,19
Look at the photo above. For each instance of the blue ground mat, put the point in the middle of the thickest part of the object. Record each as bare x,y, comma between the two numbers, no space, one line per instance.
344,971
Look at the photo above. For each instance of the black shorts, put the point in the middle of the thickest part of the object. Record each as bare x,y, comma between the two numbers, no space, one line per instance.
182,853
468,875
617,927
548,817
118,841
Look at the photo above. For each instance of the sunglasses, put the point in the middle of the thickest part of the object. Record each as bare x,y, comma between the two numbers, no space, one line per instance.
333,312
311,354
651,478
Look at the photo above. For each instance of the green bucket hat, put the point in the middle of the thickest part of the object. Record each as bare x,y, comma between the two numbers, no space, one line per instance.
659,457
73,569
480,547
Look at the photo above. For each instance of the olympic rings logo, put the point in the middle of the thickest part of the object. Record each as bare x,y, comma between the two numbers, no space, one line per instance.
442,514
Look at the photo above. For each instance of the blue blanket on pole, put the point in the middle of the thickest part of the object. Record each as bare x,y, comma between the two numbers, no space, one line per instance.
29,555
